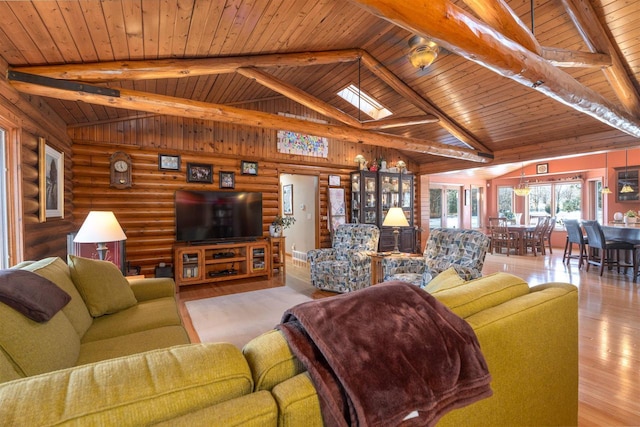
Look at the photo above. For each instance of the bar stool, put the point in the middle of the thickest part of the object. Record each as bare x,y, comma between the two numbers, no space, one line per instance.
596,238
575,236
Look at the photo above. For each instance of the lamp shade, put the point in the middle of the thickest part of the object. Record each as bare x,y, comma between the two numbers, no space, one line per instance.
395,218
100,226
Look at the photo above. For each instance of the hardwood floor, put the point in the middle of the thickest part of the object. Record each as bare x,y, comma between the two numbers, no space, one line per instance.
609,316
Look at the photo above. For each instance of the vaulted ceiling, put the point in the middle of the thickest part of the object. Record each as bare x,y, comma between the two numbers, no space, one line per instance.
498,92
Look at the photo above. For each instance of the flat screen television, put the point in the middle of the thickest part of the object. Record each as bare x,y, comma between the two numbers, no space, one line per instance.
211,216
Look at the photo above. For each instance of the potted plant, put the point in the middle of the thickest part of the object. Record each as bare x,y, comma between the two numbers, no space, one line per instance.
630,217
280,223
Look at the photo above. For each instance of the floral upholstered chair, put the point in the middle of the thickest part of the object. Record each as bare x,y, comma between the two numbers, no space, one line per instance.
346,266
464,250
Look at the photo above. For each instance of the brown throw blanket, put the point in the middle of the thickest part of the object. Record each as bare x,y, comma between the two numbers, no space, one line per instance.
386,353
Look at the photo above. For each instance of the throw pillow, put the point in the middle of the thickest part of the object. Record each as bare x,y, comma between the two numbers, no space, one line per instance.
32,295
446,280
101,284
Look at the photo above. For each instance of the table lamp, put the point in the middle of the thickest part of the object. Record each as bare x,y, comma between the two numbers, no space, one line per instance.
100,227
395,218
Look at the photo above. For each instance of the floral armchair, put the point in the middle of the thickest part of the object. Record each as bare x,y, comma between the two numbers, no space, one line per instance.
346,266
464,250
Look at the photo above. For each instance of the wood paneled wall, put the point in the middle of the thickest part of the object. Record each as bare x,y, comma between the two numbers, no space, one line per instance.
26,119
146,211
47,238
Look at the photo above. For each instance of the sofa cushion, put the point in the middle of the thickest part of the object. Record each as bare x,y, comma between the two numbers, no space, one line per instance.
136,390
479,294
56,270
141,317
137,342
34,296
33,347
257,409
102,286
446,280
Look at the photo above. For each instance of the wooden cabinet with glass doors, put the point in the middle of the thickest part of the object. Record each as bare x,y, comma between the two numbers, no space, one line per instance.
372,194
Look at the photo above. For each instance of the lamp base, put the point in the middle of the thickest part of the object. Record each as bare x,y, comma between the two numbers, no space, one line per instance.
396,234
102,251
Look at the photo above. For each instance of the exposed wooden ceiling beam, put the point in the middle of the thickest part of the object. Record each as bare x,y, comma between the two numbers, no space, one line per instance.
298,95
171,68
460,32
397,122
598,142
501,17
594,34
412,96
572,58
160,104
179,68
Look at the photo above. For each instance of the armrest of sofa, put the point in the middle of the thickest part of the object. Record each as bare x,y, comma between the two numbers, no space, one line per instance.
153,288
140,389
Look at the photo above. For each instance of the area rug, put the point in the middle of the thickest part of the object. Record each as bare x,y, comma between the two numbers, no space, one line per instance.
238,318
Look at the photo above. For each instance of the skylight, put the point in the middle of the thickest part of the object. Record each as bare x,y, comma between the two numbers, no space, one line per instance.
364,102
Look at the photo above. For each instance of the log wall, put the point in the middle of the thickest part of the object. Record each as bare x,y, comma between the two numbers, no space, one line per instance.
146,211
25,119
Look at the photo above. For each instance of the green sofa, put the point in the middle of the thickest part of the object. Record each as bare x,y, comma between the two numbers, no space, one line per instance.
145,318
529,337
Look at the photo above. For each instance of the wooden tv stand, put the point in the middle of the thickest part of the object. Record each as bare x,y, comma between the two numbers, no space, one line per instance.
210,263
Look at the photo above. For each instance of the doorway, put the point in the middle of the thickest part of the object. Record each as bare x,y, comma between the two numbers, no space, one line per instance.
301,204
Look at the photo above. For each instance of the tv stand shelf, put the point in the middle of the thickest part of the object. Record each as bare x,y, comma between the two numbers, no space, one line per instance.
198,264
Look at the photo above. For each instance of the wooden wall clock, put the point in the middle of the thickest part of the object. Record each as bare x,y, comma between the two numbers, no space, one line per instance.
120,169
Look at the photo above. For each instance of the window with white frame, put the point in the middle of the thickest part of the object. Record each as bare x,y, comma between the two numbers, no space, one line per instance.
562,200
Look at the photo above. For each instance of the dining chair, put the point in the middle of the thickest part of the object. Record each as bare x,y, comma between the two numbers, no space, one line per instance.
534,239
546,237
501,237
575,236
608,251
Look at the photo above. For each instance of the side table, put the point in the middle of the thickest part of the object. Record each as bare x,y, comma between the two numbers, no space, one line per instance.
377,275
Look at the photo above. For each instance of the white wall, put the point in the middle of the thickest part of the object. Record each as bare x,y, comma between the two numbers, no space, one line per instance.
302,234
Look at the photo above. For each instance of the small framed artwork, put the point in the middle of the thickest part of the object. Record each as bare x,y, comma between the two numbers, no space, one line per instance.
168,162
542,168
197,172
249,168
287,199
227,179
51,181
334,180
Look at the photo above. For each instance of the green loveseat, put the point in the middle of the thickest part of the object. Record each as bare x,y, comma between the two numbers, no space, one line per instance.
529,337
74,336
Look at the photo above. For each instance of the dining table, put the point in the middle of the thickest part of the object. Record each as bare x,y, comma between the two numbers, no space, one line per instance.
621,231
520,230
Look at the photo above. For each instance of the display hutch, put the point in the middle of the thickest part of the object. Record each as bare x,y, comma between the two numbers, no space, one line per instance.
373,193
197,264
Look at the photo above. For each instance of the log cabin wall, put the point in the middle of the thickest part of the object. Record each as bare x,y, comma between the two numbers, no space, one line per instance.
146,211
25,119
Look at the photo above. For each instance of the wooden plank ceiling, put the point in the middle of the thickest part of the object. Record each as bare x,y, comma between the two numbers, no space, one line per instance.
478,93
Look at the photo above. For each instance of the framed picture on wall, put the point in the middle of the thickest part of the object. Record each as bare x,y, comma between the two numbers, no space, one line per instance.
334,180
227,179
287,199
168,162
249,168
51,181
197,172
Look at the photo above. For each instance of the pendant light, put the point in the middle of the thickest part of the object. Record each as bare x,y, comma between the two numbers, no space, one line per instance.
522,189
626,188
605,189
